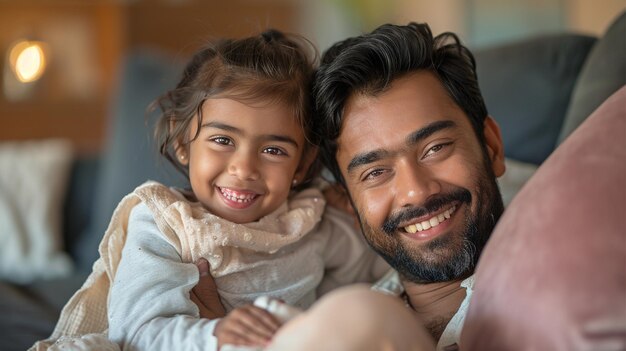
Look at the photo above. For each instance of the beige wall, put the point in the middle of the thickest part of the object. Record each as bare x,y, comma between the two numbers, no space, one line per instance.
593,17
327,21
586,16
441,16
71,99
108,29
181,26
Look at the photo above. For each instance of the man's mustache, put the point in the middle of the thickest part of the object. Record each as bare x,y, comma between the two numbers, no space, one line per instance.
431,205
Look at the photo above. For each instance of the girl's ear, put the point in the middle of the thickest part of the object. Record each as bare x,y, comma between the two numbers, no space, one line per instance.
308,157
495,149
182,154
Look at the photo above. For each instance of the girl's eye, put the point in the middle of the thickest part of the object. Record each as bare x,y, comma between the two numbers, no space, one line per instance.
274,151
222,140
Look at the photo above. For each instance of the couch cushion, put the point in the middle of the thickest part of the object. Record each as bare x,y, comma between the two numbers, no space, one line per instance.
512,181
552,276
79,201
130,158
603,73
23,319
527,86
33,184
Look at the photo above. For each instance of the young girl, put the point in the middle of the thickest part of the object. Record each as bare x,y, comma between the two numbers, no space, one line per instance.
237,125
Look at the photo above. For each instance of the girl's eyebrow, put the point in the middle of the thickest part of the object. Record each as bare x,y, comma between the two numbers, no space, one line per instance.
265,137
222,126
281,138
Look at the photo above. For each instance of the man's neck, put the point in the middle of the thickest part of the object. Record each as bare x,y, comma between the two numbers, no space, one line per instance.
435,303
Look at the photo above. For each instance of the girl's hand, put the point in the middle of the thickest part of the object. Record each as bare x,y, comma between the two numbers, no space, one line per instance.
246,326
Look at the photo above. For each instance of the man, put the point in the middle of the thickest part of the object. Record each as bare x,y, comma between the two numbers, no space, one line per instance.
405,131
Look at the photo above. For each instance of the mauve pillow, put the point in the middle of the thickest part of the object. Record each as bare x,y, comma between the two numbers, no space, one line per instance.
553,275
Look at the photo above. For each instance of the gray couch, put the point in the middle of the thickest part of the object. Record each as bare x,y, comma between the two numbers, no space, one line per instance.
538,89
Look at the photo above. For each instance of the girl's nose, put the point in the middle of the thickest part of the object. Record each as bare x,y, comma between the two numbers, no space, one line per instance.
244,167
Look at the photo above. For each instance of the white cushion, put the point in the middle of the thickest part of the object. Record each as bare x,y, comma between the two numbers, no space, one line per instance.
33,183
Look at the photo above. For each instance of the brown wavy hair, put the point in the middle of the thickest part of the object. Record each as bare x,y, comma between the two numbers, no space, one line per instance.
272,66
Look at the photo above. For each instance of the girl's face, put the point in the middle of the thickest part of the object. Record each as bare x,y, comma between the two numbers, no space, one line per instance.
245,158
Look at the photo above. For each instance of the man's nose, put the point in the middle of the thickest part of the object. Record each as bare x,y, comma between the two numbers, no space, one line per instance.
243,165
414,184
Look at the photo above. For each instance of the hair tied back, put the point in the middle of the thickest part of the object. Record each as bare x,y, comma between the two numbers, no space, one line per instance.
271,34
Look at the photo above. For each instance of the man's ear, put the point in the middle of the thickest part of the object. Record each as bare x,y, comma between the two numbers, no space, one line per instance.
308,157
495,149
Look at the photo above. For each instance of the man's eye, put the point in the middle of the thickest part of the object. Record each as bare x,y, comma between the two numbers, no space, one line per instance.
222,140
435,149
374,174
274,151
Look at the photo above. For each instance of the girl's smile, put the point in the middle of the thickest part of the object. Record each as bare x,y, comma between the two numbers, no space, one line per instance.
238,199
243,157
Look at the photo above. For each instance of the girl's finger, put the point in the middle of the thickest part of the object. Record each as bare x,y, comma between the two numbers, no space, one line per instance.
246,335
265,318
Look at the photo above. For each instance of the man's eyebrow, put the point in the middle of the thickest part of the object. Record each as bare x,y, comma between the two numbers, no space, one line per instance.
265,137
366,158
427,131
411,139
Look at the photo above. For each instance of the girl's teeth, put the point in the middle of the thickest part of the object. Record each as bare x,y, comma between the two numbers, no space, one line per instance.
239,198
430,223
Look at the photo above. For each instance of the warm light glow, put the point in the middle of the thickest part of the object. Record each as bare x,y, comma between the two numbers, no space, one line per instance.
28,61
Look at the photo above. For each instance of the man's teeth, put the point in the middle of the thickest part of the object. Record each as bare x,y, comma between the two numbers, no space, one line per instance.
234,196
430,223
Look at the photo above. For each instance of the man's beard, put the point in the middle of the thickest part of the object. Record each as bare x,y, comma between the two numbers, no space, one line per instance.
452,255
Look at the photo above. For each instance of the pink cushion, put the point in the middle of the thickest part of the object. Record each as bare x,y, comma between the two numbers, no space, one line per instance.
553,275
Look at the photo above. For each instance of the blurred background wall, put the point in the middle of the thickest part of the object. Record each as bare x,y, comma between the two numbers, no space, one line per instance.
84,42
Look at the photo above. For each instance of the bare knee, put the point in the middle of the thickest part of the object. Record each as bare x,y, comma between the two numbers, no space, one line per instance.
355,318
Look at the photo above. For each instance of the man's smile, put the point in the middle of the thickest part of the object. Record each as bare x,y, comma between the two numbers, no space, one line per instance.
427,216
431,222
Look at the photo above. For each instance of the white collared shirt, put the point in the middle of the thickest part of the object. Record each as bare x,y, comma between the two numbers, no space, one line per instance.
390,284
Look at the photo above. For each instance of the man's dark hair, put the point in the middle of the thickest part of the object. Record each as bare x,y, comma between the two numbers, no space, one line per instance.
369,63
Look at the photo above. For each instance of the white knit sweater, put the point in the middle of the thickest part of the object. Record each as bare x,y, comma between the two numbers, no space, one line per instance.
298,251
